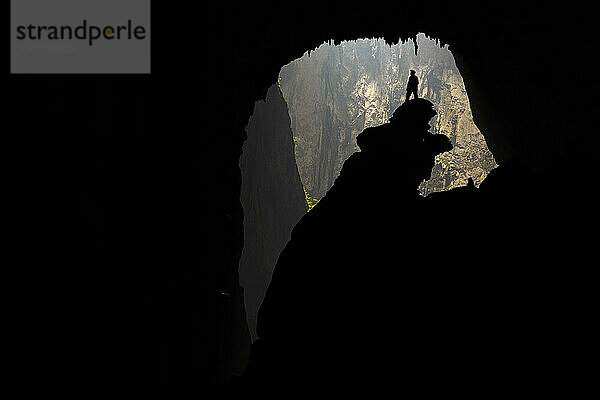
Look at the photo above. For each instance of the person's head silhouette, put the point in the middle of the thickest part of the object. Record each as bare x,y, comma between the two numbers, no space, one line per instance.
412,71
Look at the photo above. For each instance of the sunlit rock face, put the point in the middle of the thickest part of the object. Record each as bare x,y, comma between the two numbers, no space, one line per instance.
335,92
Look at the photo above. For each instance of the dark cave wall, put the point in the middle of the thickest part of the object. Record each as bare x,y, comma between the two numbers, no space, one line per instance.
530,104
272,196
138,207
506,54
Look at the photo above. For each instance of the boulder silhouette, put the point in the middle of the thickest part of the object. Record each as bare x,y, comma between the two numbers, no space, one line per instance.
372,293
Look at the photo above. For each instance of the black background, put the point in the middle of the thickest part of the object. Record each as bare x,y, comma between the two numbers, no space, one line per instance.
128,220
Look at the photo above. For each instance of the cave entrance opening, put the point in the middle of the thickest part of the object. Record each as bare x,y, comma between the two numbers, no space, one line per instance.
337,90
301,134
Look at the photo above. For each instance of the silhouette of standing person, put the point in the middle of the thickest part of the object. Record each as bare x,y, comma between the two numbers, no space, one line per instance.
411,87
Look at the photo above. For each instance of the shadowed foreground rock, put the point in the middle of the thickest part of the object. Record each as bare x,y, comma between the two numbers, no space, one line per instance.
371,295
271,194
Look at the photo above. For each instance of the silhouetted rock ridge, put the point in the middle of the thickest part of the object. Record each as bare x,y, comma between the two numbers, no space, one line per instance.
372,296
343,283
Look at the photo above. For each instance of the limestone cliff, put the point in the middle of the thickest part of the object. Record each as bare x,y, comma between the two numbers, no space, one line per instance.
272,196
336,91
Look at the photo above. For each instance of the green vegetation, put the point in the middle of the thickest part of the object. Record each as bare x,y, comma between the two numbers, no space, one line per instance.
311,201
